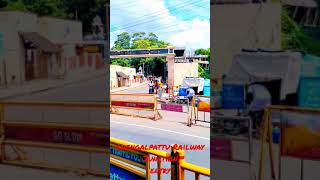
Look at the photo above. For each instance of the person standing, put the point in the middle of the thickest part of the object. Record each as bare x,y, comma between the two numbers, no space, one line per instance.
156,86
151,87
260,98
190,94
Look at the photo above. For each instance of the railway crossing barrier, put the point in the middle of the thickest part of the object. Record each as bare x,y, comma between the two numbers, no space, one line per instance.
299,137
199,104
34,135
139,105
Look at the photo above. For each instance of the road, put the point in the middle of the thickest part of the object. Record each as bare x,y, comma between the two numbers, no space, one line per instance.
171,129
143,89
94,90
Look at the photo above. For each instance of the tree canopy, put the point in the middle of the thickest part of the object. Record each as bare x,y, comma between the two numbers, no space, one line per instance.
85,10
294,36
203,51
141,40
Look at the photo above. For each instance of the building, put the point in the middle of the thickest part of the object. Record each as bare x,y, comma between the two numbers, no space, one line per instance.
42,48
122,76
304,12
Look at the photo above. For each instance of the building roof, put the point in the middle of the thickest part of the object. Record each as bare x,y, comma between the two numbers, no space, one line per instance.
39,41
121,74
301,3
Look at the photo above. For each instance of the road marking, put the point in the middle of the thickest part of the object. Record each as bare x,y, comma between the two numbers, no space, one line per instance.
160,130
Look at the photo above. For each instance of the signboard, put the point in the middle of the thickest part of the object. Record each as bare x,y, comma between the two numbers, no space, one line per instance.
204,104
92,48
172,107
78,136
300,135
133,104
129,155
309,92
221,149
233,96
117,173
135,101
139,52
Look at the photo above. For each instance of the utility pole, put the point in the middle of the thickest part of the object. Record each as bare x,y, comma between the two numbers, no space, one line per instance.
143,68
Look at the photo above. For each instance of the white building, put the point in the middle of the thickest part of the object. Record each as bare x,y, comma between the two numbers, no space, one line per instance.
41,48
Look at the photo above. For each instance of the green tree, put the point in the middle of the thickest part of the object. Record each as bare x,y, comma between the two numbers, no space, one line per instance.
140,40
123,41
203,73
86,10
295,38
202,51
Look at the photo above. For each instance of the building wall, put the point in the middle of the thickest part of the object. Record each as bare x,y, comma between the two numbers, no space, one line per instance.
60,31
113,74
182,70
242,26
10,24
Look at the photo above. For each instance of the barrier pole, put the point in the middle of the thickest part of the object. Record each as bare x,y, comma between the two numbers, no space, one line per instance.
263,139
174,165
273,174
180,154
155,107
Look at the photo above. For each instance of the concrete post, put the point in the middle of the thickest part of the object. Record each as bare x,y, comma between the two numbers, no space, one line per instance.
170,62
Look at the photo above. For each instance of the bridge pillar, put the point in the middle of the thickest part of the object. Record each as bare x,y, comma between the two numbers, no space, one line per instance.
170,63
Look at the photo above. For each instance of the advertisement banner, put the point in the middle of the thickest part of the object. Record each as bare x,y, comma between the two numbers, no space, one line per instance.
204,104
172,107
117,173
78,136
300,135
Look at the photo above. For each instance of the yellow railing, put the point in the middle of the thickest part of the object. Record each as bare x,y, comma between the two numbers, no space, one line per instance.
177,168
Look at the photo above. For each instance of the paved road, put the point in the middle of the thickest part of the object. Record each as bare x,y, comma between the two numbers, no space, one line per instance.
143,89
169,130
93,90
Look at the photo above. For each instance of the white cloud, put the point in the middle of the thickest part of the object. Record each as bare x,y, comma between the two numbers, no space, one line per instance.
153,16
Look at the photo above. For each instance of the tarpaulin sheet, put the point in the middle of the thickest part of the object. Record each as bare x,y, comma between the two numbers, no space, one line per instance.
193,82
265,66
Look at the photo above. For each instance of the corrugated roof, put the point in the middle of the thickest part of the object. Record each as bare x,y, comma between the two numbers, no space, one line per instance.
40,42
301,3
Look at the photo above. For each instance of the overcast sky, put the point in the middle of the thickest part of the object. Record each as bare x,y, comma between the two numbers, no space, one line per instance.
183,23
